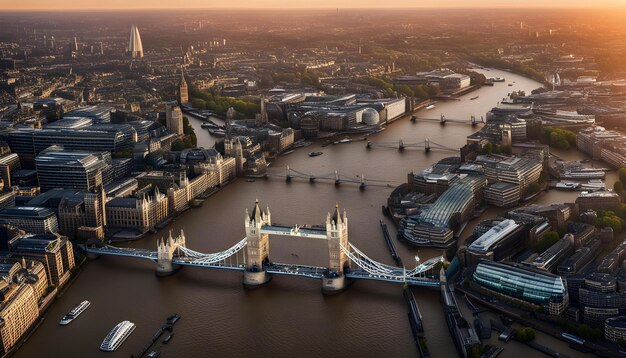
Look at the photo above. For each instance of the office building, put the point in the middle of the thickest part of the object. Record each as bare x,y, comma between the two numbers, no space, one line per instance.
60,168
601,199
18,312
436,179
9,163
520,283
54,251
502,194
555,254
28,142
519,171
435,225
580,259
446,79
501,242
36,220
615,329
19,270
174,119
591,140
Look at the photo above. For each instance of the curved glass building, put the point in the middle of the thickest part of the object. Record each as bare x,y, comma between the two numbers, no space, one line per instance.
523,283
135,47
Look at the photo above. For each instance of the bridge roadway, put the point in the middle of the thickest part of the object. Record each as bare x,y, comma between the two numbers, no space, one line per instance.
310,232
235,261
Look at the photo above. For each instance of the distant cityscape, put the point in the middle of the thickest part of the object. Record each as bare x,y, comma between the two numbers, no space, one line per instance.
103,142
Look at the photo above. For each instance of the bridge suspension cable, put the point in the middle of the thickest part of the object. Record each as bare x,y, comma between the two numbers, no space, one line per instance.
200,258
375,268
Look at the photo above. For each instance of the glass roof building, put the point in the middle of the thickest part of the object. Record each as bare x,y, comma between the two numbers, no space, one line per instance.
435,225
523,283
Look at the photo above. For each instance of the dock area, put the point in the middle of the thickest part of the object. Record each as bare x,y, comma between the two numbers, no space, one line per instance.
168,326
415,321
390,245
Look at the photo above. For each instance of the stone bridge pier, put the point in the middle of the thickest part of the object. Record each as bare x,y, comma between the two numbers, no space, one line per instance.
257,247
166,249
336,235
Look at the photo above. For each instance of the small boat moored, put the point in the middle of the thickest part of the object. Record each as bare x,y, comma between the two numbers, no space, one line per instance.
75,312
217,132
173,318
117,336
315,154
168,338
473,98
430,106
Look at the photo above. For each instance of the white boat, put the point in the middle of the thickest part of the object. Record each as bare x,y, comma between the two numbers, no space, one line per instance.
593,185
75,312
563,185
430,106
345,140
117,336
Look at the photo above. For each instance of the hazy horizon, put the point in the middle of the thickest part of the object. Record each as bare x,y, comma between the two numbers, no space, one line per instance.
291,4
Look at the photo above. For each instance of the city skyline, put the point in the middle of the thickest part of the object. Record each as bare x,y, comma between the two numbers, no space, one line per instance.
285,4
472,158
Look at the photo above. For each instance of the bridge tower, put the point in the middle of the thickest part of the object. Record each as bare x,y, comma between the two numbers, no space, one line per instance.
442,119
336,235
288,177
257,247
337,179
165,253
400,145
427,145
473,120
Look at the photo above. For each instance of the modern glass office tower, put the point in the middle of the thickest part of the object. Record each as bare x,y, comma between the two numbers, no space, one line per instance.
524,283
135,48
59,168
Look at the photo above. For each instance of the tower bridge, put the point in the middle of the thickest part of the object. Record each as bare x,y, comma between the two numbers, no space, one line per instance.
251,256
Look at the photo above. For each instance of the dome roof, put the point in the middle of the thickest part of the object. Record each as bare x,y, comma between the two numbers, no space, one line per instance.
370,116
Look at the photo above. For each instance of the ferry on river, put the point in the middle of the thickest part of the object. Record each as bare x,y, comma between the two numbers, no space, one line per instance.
75,312
430,106
117,336
342,141
473,98
217,132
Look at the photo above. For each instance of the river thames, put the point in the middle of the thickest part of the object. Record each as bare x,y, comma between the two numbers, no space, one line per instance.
289,316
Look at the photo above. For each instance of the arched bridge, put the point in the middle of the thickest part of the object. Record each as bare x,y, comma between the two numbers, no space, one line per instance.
251,256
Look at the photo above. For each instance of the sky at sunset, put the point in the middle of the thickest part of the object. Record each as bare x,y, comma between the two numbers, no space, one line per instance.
138,4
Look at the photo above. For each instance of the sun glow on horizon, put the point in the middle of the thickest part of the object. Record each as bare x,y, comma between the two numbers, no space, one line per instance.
296,4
